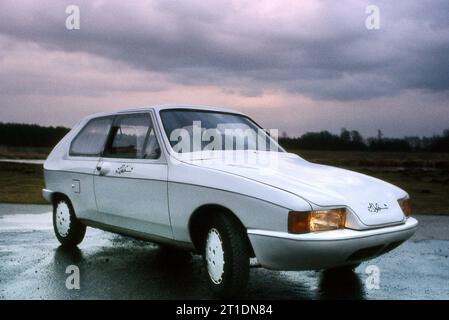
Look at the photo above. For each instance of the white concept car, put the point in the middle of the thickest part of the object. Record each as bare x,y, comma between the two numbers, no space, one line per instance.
211,181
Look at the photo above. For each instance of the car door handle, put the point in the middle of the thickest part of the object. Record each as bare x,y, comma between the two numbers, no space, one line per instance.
102,170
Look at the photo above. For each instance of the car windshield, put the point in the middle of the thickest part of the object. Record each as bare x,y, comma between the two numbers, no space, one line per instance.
198,130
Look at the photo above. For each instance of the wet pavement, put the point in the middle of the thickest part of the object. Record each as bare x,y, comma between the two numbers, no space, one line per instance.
33,265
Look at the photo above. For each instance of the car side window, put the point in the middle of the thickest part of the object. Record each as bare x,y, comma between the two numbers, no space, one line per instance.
91,139
132,137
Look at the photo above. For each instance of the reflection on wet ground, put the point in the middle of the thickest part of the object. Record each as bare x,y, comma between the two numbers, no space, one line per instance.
33,266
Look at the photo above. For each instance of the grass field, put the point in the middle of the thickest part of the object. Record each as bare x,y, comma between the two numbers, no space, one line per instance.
21,183
23,153
424,175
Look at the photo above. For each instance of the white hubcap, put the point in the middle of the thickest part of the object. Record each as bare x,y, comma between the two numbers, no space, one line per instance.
63,218
215,256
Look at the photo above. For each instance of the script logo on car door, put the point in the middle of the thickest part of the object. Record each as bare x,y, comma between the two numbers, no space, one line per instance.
374,207
124,168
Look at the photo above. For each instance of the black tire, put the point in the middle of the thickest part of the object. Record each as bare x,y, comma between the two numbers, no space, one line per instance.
344,269
68,229
236,254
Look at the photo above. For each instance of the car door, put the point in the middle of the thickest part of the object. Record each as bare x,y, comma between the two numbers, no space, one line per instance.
75,174
131,178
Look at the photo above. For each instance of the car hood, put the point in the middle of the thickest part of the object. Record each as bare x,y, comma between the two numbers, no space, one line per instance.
374,201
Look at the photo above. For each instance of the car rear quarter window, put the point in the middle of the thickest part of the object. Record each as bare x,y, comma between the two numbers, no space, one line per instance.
91,139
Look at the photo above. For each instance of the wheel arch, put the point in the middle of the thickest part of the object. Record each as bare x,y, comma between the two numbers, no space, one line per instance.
55,196
200,215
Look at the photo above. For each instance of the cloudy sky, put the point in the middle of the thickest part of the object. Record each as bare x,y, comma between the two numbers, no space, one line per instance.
292,65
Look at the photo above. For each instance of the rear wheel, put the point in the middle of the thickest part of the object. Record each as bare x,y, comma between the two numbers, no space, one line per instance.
226,256
68,229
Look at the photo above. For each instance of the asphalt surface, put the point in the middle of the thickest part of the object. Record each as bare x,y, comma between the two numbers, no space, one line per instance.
33,265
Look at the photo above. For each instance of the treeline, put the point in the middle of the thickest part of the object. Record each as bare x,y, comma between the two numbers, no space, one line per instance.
30,135
353,141
26,135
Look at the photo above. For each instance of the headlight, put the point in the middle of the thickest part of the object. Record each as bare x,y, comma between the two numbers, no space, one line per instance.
406,206
320,220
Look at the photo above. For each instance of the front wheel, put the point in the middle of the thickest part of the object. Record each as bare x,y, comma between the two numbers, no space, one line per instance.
226,256
68,229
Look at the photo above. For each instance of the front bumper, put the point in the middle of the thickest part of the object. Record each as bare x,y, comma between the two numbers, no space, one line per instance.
323,250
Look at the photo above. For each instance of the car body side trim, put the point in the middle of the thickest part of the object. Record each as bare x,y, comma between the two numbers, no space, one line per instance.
136,234
177,182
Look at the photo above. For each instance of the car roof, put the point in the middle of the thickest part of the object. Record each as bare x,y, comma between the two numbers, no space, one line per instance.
157,108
